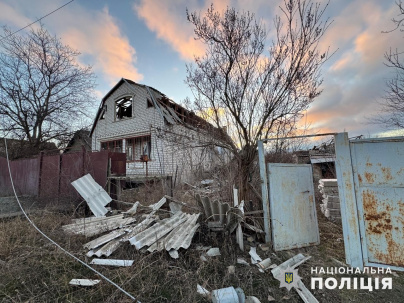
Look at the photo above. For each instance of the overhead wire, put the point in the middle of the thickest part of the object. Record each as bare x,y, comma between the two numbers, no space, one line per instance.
52,241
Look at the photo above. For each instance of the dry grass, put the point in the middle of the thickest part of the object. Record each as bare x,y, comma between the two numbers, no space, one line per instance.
33,270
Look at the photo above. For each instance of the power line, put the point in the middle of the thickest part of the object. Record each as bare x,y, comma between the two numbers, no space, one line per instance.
36,20
53,242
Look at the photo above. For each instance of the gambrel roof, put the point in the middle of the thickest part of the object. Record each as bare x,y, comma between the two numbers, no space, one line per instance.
170,111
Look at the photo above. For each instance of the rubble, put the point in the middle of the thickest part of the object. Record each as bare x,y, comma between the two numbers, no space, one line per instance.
213,252
254,257
84,282
111,262
202,291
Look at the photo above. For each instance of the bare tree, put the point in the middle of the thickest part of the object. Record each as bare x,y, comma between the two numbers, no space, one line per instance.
393,102
251,93
43,90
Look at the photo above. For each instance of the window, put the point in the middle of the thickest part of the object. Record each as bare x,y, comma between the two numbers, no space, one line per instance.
149,103
123,108
103,112
113,146
137,148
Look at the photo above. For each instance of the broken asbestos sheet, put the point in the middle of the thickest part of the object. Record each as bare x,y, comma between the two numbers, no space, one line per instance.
168,234
95,196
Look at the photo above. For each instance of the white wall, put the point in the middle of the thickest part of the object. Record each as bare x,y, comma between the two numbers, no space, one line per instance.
173,147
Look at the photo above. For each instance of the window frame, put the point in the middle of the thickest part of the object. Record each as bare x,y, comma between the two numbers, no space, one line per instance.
113,146
144,139
126,97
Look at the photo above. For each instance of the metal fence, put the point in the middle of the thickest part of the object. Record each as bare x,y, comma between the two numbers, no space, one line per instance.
50,176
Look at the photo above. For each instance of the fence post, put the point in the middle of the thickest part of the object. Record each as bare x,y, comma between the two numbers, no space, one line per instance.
40,173
83,171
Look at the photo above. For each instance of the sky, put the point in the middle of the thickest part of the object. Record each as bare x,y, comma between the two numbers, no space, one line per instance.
150,42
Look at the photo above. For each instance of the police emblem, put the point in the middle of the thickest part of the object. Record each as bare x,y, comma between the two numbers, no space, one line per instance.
288,277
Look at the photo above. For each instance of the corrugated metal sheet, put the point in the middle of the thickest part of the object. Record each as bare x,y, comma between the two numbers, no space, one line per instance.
179,237
104,239
158,230
112,262
182,235
105,250
96,227
95,196
293,212
217,211
84,282
137,229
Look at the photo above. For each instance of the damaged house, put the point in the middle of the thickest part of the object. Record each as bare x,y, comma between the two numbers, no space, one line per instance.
160,138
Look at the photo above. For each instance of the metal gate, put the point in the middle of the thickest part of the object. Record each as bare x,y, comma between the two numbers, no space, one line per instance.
374,235
293,212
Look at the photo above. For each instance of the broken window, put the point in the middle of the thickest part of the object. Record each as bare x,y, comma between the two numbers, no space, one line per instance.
149,103
123,108
112,146
103,112
137,149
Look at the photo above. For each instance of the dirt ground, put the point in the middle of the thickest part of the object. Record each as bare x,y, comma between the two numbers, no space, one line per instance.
34,270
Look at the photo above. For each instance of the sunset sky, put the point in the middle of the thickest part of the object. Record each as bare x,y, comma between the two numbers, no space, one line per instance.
151,41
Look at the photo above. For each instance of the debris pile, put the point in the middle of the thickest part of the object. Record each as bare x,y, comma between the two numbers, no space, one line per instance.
150,228
157,234
331,206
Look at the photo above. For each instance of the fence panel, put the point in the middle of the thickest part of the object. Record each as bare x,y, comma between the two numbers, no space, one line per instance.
50,170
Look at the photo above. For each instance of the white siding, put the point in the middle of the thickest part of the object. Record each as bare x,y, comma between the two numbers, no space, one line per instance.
166,155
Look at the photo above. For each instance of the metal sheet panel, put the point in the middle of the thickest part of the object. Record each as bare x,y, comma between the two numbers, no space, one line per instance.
25,173
50,176
71,169
118,163
97,165
379,186
157,231
99,226
293,212
95,196
5,183
349,212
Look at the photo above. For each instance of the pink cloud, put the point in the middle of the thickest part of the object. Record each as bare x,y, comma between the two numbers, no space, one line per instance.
168,20
98,35
95,34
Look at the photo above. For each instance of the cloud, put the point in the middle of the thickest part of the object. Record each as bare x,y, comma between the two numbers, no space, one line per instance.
10,16
94,33
354,79
168,20
97,35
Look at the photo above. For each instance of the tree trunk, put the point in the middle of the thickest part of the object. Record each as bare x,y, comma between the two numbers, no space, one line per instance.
246,165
